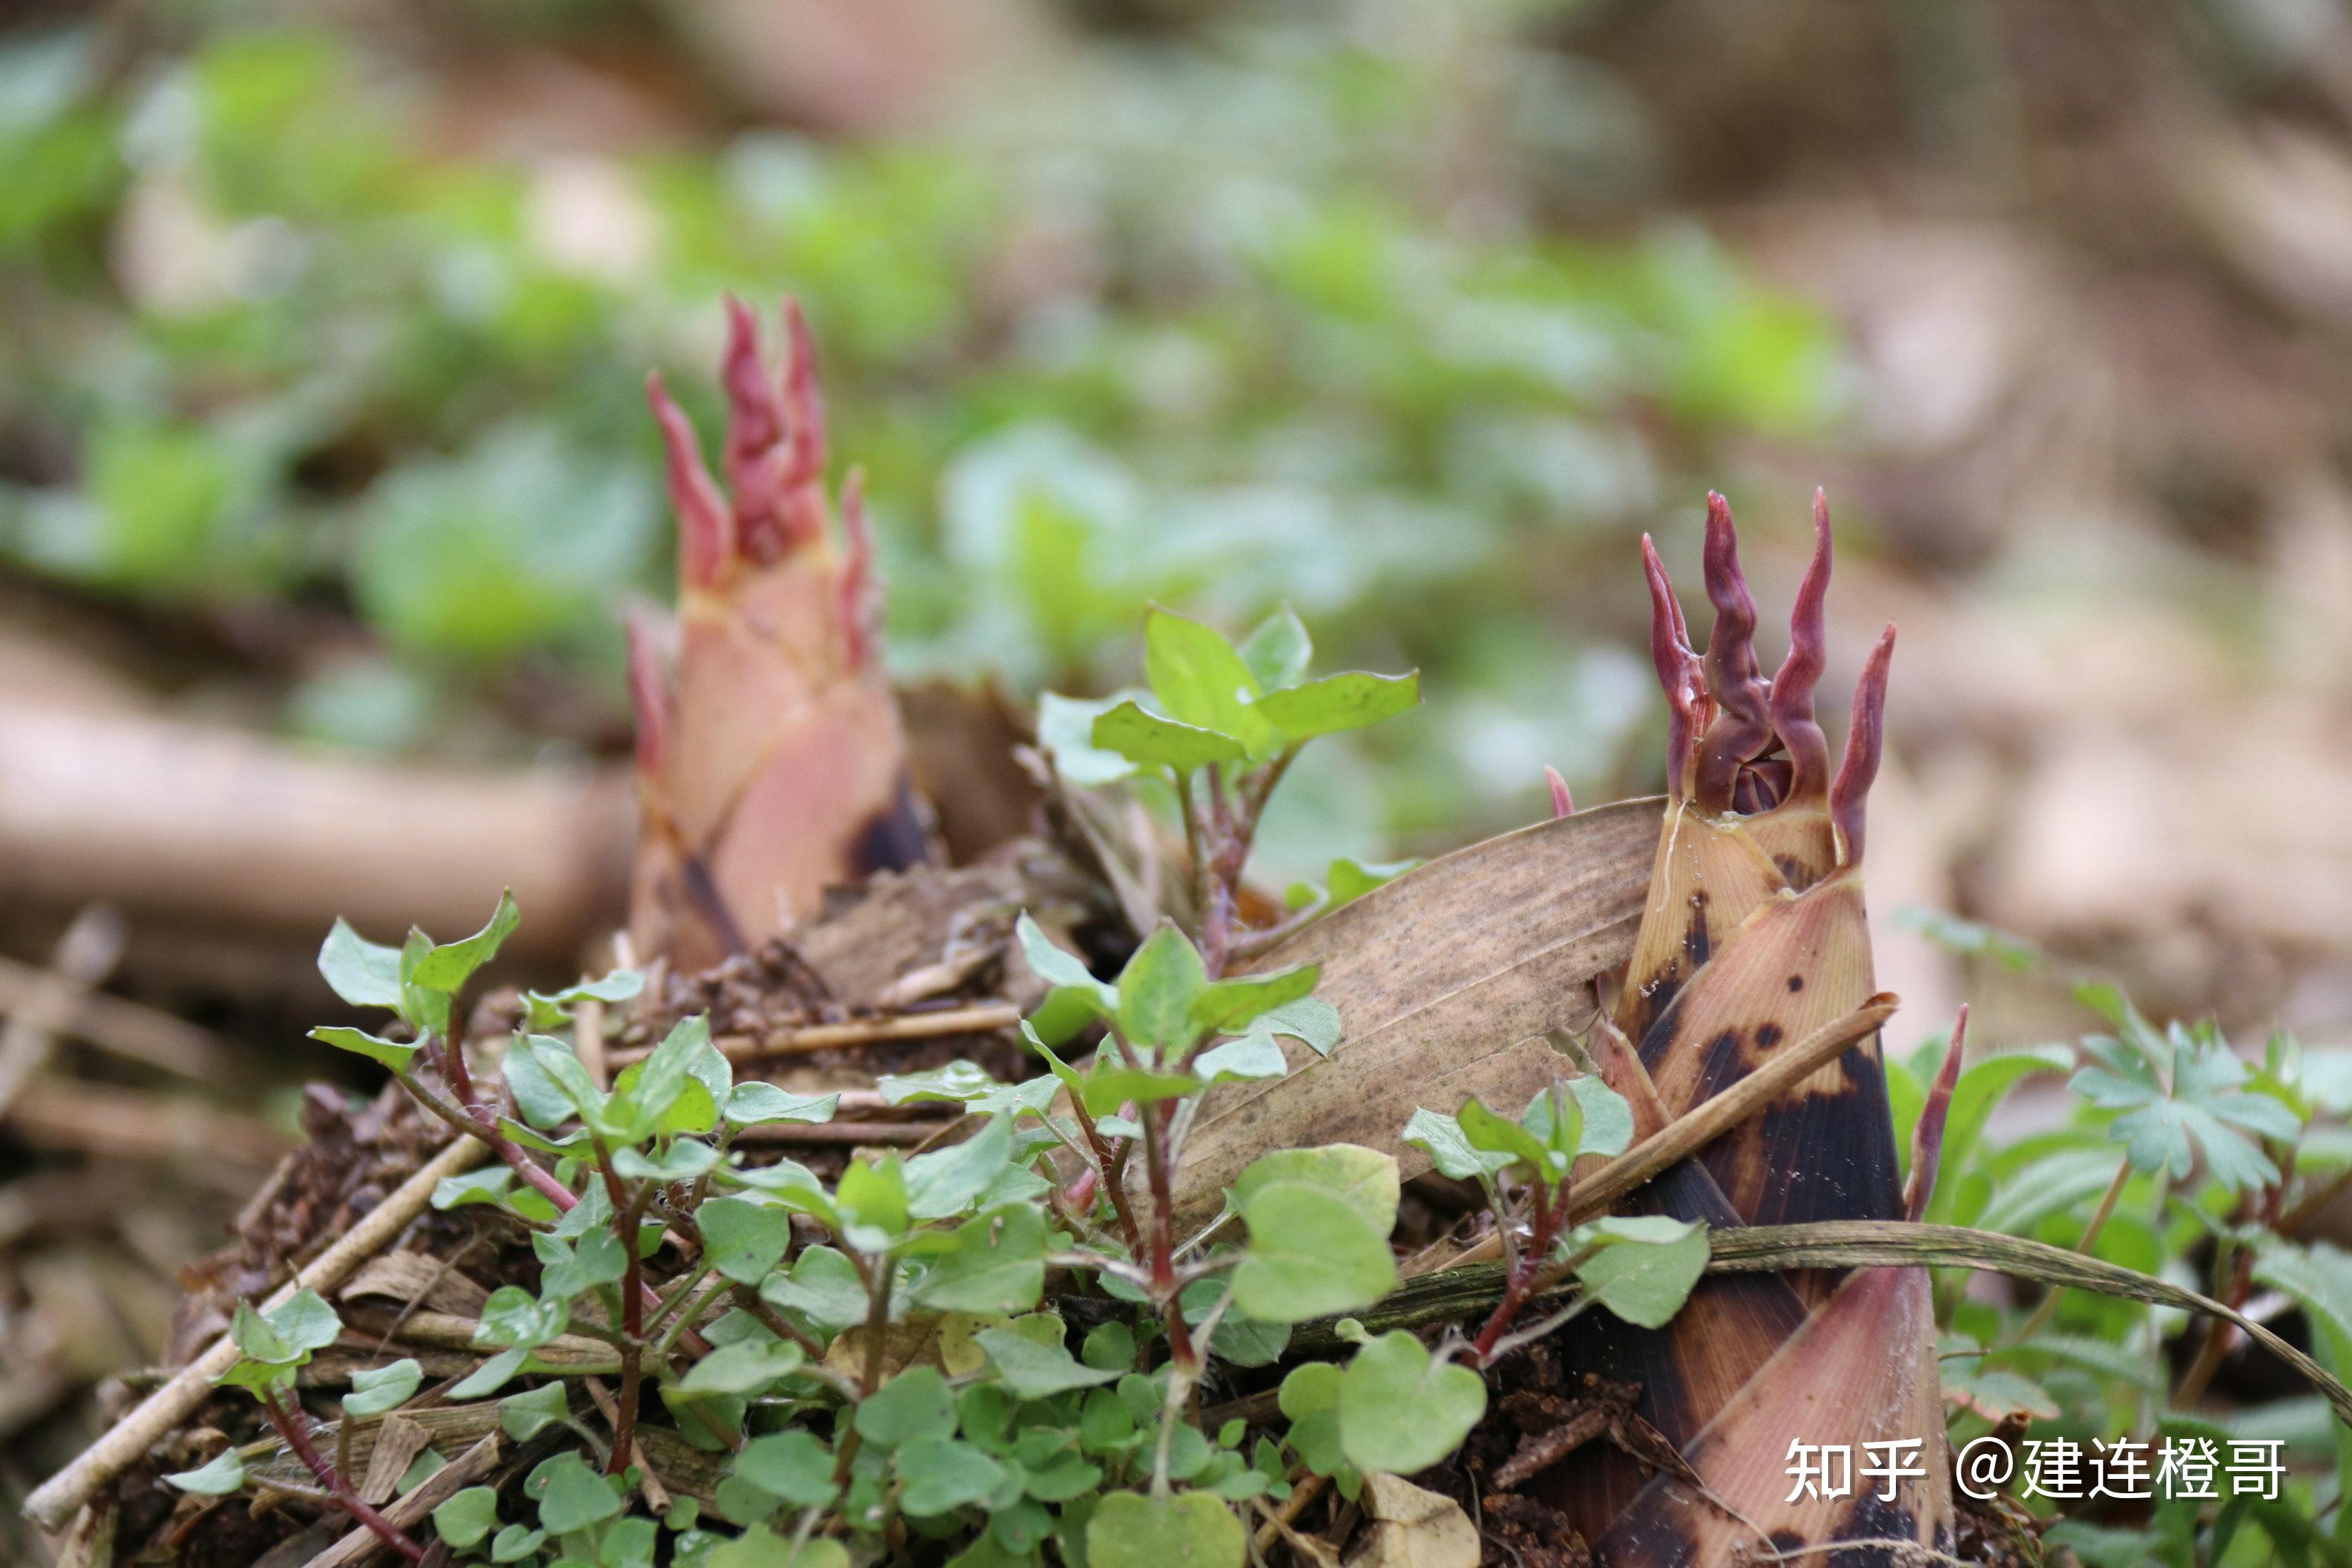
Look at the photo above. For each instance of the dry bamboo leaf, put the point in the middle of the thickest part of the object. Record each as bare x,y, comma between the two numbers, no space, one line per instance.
1414,1528
1441,977
398,1441
362,1545
416,1278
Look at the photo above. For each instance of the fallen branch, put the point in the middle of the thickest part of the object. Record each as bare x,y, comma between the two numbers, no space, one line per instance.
1670,1145
234,829
133,1125
1845,1244
84,954
801,1041
127,1440
127,1029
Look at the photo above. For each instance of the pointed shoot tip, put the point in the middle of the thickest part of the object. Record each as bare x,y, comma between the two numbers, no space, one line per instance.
705,529
1563,803
1865,744
1928,1138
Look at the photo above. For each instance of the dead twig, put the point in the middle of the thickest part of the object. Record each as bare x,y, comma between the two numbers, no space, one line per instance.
127,1029
649,1485
132,1124
127,1440
82,957
978,1020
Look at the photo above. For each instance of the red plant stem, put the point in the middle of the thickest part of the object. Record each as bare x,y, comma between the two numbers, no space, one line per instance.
1163,1222
289,1427
541,1180
1112,1185
453,1063
633,1322
2219,1335
1527,1271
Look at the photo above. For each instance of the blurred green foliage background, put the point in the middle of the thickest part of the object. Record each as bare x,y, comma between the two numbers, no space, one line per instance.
1325,302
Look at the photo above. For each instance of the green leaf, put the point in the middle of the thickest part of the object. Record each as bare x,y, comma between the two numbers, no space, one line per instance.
599,1259
942,1474
1229,1004
1364,1179
996,1264
362,973
742,1240
1201,681
516,1319
466,1517
562,1070
491,1375
793,1464
1277,650
515,1542
823,1287
1400,1411
447,969
1646,1281
1501,1135
1338,702
522,1416
1033,1371
959,1082
1157,992
570,1495
945,1182
1310,1254
542,1099
392,1054
1440,1136
546,1010
872,1198
1108,1088
1189,1530
1346,881
1308,1388
1252,1056
1110,1346
652,1086
1152,741
376,1389
303,1322
760,1547
1065,728
1608,1119
746,1367
915,1404
1065,970
480,1186
1238,1338
2204,1106
757,1103
685,1159
1556,1117
1313,1021
220,1476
